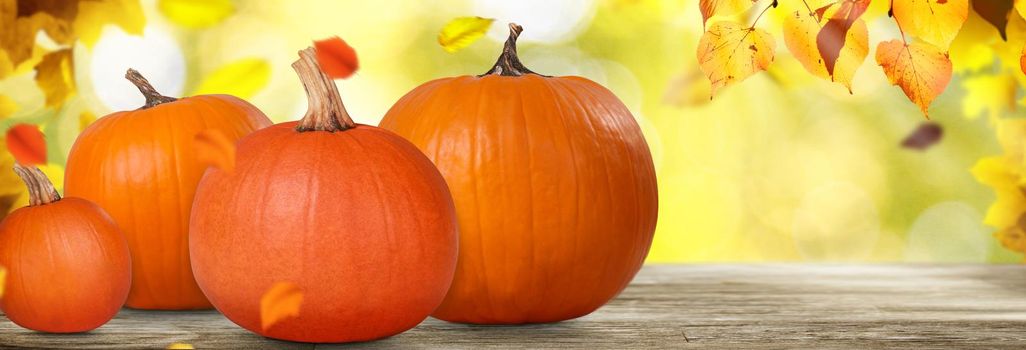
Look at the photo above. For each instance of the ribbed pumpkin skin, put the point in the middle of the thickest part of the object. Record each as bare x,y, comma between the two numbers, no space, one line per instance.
141,167
68,266
554,187
358,219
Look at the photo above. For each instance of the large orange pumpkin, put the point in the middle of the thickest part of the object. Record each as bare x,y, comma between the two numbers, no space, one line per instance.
68,263
140,166
353,216
554,189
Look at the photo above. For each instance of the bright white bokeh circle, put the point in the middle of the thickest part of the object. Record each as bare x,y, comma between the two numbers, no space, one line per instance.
544,21
155,54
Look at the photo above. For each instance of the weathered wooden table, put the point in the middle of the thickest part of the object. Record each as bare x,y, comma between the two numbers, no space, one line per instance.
681,307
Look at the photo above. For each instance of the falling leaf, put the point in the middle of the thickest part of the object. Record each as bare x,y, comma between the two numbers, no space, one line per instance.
55,76
463,31
934,21
991,93
85,119
27,144
711,8
242,78
336,58
7,106
924,136
920,69
281,301
996,12
3,280
832,38
196,13
179,346
730,53
800,36
215,149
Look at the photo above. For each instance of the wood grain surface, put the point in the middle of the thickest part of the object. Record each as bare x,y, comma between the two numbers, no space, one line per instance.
784,306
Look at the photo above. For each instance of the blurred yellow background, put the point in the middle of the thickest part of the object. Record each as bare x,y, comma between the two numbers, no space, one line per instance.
781,167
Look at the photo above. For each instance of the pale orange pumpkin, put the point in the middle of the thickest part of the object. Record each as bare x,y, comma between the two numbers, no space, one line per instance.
141,167
554,187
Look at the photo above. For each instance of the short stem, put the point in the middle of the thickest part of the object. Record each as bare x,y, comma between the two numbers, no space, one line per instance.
508,63
325,111
41,190
153,97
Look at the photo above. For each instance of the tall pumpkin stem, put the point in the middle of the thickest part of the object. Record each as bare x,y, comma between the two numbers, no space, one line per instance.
41,190
508,63
153,97
325,111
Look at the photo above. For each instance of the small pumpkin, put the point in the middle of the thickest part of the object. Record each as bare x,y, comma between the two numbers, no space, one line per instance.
140,166
554,187
68,263
353,217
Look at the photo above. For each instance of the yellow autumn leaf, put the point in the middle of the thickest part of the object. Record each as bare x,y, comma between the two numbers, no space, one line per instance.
196,13
920,69
93,15
933,21
1020,6
55,76
180,346
711,8
3,280
729,52
800,36
463,31
242,78
7,106
993,94
282,300
84,119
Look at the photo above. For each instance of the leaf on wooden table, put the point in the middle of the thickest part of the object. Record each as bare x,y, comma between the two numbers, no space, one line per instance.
833,36
336,57
180,346
924,136
934,21
55,76
711,8
27,144
995,12
920,69
282,300
800,36
729,52
215,149
460,32
242,78
196,13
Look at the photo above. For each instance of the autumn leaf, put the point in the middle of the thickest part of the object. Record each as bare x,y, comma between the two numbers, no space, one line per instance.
27,144
55,76
920,69
923,137
336,58
282,300
85,119
1020,6
242,78
94,15
196,13
800,36
711,8
730,53
214,148
7,106
934,21
832,37
995,12
463,31
180,346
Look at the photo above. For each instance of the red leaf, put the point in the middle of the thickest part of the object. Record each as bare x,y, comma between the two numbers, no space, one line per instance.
336,58
27,144
831,38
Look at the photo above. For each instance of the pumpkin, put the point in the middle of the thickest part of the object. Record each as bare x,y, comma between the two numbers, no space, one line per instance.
353,216
140,166
68,263
553,183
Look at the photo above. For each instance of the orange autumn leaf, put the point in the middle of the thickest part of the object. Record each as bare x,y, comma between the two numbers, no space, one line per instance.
336,57
711,8
934,21
180,346
920,69
840,15
800,36
729,52
282,300
27,144
214,148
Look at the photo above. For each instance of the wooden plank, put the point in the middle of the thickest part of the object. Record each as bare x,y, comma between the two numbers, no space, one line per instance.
681,307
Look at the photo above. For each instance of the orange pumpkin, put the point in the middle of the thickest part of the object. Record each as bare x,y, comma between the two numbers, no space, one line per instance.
554,189
353,216
140,166
68,263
